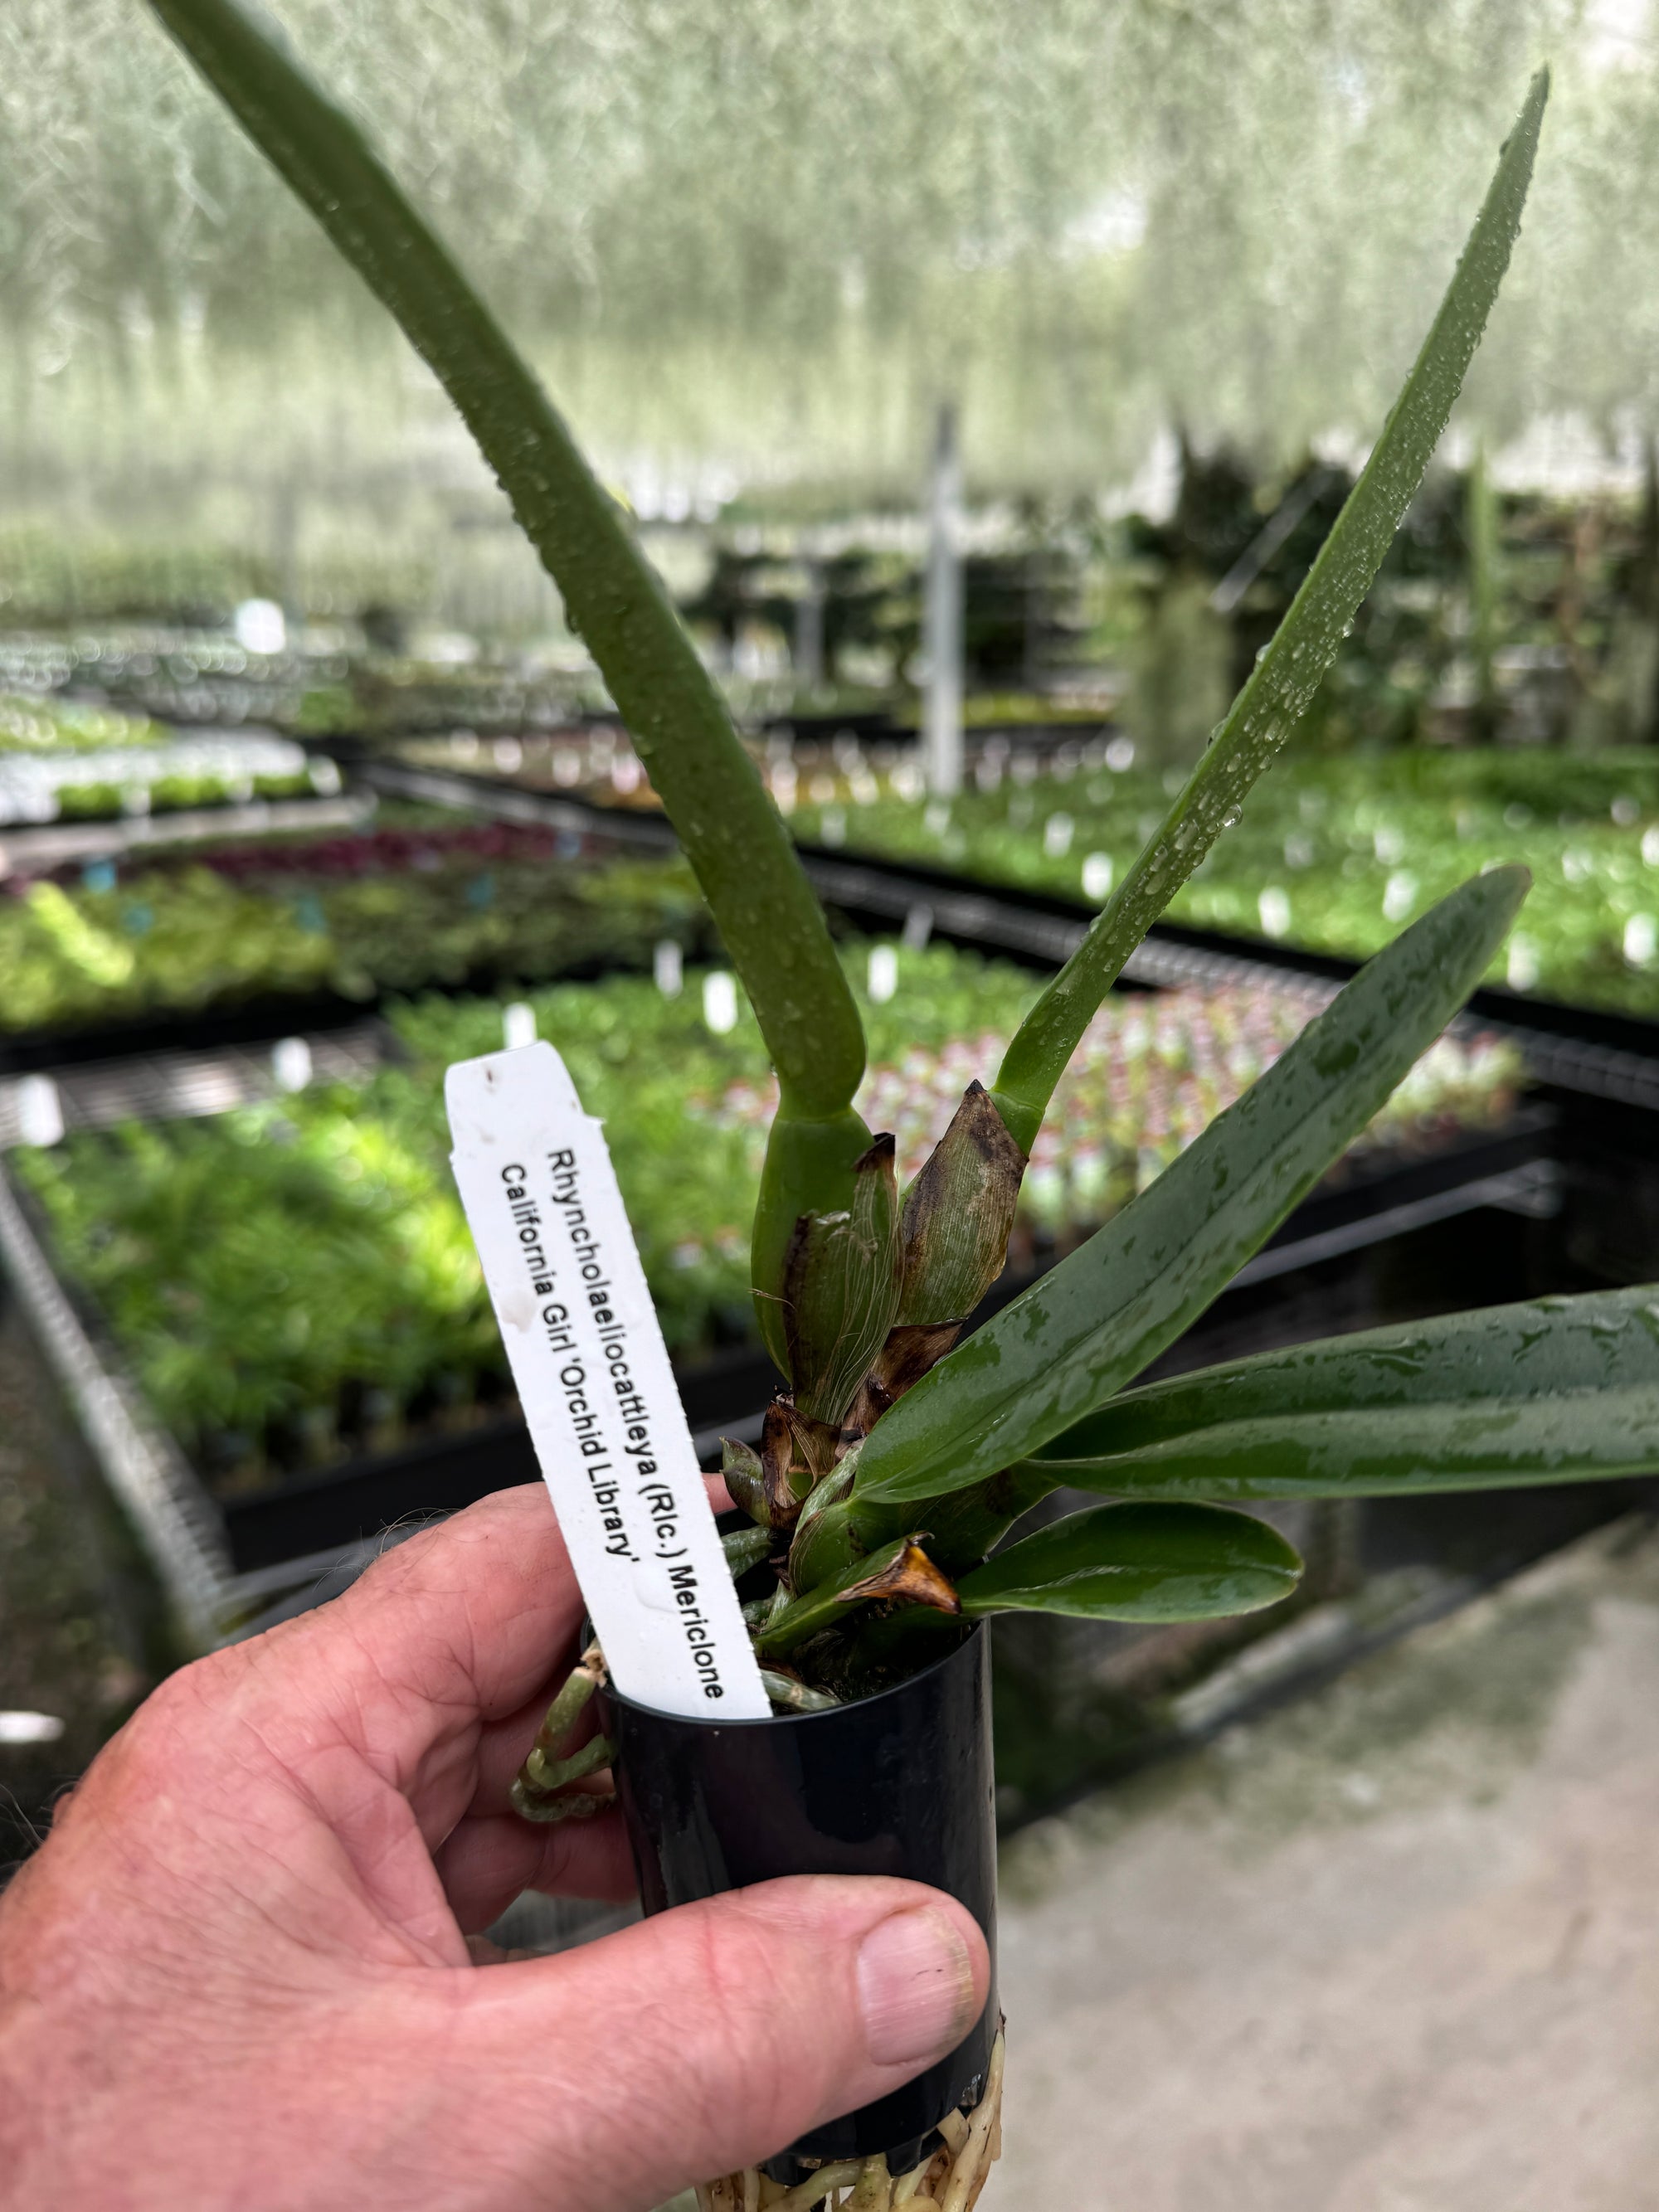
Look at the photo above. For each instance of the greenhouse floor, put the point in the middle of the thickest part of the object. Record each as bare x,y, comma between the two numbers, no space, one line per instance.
1392,1949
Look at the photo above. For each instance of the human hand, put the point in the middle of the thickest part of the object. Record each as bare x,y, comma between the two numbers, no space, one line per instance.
236,1974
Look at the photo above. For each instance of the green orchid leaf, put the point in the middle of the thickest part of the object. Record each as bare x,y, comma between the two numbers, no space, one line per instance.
826,1606
824,1541
744,1478
1140,1563
1550,1390
963,1526
1094,1322
768,916
836,1530
1305,644
745,1548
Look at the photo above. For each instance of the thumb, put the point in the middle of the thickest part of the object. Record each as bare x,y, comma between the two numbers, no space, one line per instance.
711,2036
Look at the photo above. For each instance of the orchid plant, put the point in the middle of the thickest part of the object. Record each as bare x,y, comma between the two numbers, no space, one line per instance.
900,1455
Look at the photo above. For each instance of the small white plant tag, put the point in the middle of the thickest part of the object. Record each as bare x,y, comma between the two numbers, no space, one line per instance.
593,1374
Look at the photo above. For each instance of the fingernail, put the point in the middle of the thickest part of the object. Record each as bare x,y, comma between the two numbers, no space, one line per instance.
915,1987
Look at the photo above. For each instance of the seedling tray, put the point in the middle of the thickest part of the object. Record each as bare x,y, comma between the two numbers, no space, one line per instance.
249,1021
1373,1249
1472,1223
1578,1049
1583,1048
268,1016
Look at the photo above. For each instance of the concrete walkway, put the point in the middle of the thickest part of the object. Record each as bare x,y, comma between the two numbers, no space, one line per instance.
1393,1949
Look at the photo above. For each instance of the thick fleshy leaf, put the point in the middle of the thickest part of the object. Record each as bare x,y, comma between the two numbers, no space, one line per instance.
745,1548
1551,1390
824,1542
745,1480
768,916
1303,646
963,1525
1140,1563
1093,1323
836,1530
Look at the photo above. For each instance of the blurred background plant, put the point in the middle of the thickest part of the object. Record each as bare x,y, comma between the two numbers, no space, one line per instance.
294,1281
1094,243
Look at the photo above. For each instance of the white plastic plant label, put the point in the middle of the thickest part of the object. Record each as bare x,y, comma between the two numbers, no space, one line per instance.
593,1374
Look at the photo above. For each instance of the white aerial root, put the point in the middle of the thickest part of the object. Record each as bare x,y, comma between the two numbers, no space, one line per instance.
950,2181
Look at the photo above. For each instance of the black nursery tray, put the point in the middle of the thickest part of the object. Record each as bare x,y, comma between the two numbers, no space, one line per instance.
1470,1223
262,1019
267,1017
727,1396
1582,1049
272,1016
1588,1049
1561,1197
340,1507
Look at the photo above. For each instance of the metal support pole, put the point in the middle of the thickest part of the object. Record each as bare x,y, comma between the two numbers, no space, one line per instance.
809,627
942,615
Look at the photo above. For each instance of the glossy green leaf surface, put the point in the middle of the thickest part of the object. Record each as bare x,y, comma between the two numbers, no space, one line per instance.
767,913
966,1524
824,1607
1544,1391
1092,1323
1306,643
824,1543
745,1548
1140,1563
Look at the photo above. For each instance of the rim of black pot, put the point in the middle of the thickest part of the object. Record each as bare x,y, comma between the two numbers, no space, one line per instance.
829,1712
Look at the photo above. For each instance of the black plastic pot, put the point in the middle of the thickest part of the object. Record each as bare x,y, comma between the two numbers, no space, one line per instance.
899,1784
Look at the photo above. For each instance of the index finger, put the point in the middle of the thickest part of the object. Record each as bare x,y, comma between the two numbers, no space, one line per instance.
472,1615
458,1627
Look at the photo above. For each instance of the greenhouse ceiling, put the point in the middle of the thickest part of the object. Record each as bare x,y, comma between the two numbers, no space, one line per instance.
754,241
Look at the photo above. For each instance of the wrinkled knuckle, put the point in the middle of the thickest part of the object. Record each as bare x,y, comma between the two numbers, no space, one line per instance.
174,1708
158,1718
